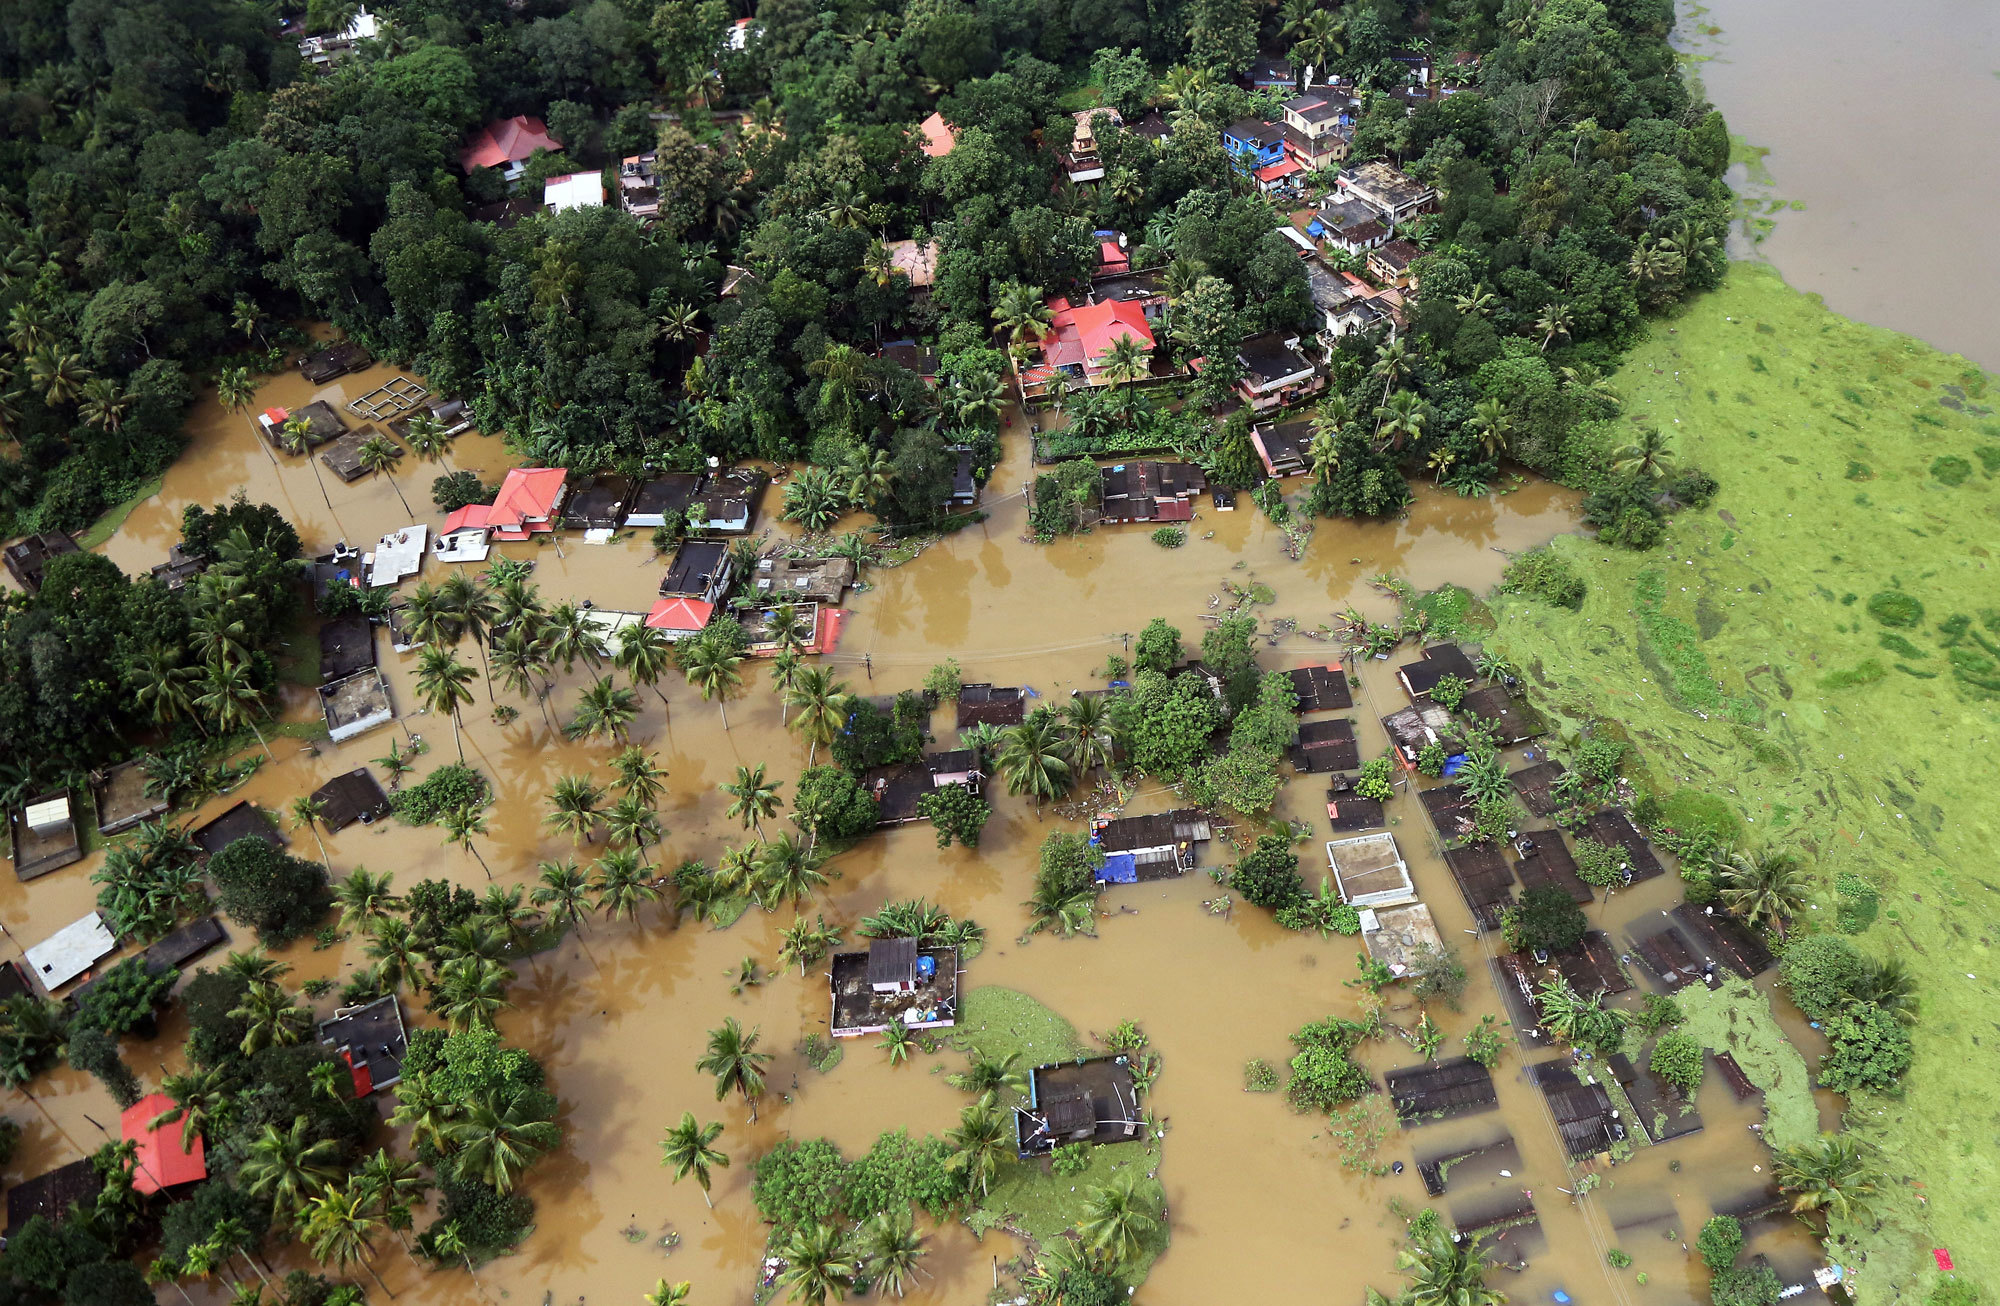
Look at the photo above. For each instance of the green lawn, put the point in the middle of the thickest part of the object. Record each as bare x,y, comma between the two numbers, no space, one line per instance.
1766,654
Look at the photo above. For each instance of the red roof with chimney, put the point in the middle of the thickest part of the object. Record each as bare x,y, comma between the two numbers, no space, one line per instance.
511,140
161,1161
526,501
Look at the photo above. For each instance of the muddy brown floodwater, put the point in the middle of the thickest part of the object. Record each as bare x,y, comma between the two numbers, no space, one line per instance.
1261,1209
1879,122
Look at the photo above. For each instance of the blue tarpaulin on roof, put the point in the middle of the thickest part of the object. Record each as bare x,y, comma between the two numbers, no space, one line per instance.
1118,868
1455,763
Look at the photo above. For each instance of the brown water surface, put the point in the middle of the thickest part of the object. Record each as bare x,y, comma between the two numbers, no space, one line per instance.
1879,120
1261,1209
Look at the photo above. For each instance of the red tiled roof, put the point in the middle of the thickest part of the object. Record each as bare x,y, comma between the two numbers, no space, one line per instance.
161,1162
1278,171
472,515
680,614
528,494
1100,326
939,138
508,141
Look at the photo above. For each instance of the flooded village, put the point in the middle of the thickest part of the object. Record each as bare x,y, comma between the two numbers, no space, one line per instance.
1560,1164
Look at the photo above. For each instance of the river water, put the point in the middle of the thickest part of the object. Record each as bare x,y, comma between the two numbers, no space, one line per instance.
1261,1208
1880,124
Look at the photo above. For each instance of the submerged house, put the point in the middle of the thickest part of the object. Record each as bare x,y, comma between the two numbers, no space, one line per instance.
1369,871
356,705
680,617
895,981
529,501
664,499
999,705
701,569
372,1040
1150,491
1439,660
1089,1101
1285,449
44,835
598,503
28,559
1143,848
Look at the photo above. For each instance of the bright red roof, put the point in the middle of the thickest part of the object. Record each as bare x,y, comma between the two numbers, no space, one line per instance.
528,494
1275,171
1099,326
161,1162
471,515
276,416
508,141
680,614
939,138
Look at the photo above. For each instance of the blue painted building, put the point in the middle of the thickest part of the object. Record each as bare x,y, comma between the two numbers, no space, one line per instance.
1259,144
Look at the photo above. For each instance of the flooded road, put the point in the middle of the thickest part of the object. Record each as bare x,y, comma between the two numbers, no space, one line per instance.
1879,121
1261,1208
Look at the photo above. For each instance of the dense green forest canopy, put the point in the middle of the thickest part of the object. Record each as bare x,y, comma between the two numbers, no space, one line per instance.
179,188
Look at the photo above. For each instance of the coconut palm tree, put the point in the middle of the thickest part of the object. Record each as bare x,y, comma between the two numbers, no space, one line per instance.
980,1142
1478,303
294,437
231,698
1555,320
1889,984
472,991
645,654
427,617
1491,425
504,911
571,635
573,808
1646,458
474,612
429,439
985,1074
339,1229
621,886
1392,364
271,1019
632,820
443,685
1445,1272
752,797
785,668
254,967
822,704
496,1141
668,1294
739,874
308,813
1068,912
1125,361
104,405
786,868
1829,1174
201,1098
365,899
688,1148
460,824
1024,317
1763,890
564,897
868,475
161,686
1031,760
711,668
890,1248
806,943
1119,1216
1400,420
396,957
288,1166
735,1062
1089,734
519,662
818,1264
61,376
378,453
393,1185
604,708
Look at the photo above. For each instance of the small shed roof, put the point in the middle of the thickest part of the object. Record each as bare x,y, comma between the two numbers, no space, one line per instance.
160,1162
70,951
244,820
48,813
350,797
892,961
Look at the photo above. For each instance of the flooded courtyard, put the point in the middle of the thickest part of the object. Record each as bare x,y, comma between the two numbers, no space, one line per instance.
1260,1206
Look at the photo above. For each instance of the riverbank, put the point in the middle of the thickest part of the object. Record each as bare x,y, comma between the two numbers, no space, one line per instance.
1745,659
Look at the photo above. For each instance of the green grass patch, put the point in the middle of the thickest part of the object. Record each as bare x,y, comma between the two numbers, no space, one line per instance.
1737,1019
1693,810
1887,780
1028,1196
107,525
996,1021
